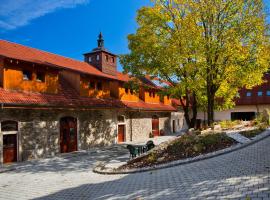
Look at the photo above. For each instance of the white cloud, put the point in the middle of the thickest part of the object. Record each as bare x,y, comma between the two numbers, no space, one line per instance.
18,13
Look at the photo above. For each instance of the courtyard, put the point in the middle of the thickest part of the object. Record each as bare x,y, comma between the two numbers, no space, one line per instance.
237,175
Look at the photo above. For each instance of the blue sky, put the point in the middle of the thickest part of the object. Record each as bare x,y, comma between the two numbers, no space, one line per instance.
70,27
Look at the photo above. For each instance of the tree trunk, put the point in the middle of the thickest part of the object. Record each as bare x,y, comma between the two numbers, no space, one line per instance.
210,109
194,111
191,121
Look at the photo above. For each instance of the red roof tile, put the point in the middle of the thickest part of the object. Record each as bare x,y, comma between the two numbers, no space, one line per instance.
20,52
67,96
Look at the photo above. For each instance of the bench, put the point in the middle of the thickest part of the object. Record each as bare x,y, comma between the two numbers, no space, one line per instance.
136,150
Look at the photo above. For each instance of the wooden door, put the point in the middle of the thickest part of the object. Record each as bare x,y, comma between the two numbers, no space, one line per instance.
173,126
10,148
155,126
68,134
121,133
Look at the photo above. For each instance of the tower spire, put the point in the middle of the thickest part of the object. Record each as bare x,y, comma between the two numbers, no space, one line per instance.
100,40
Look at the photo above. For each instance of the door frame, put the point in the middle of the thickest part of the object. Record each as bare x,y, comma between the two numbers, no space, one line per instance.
121,123
155,117
77,133
174,126
18,144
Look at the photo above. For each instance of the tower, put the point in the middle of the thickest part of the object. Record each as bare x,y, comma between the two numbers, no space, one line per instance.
101,58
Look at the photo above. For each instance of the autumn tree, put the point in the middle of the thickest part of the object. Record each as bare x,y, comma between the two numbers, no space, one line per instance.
206,49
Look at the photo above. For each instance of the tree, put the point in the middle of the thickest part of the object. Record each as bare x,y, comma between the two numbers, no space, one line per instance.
206,49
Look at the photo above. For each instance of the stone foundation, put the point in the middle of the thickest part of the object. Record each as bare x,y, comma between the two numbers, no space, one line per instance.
39,130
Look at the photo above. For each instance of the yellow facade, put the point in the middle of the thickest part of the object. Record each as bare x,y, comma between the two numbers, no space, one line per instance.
101,88
14,80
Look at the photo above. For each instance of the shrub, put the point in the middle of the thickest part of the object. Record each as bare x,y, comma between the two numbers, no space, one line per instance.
252,133
228,124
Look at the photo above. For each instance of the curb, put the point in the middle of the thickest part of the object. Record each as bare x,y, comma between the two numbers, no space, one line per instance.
110,171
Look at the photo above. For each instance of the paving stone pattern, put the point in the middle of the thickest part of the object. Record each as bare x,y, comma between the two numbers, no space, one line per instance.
237,175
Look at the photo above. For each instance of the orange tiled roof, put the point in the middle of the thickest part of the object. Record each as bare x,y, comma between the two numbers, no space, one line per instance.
20,52
69,97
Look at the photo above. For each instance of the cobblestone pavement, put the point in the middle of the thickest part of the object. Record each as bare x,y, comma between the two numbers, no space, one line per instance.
237,175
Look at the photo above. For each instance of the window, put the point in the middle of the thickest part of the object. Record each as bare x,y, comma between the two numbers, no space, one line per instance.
90,59
120,119
268,92
107,58
112,59
27,75
126,90
248,94
154,94
178,122
9,126
150,94
260,93
97,57
131,91
92,85
40,77
99,85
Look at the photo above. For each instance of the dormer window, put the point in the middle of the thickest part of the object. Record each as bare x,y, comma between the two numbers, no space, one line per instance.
97,57
126,90
92,85
27,75
99,86
41,77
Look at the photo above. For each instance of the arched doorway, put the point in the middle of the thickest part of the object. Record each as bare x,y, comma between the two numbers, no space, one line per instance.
9,130
121,129
155,125
68,134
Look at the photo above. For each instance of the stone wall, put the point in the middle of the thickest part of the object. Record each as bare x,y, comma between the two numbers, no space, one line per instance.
39,130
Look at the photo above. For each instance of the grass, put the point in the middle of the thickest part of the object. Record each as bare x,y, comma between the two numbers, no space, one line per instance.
186,146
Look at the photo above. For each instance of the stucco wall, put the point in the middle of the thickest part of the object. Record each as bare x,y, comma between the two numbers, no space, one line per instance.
182,122
226,114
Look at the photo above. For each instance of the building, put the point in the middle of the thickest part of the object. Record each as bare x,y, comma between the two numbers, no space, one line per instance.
51,104
247,105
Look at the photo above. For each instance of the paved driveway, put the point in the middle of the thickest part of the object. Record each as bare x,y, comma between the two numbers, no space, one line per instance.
245,172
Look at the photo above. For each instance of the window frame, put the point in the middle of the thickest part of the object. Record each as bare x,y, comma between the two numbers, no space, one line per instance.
99,86
25,72
126,90
250,94
40,80
92,87
5,132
